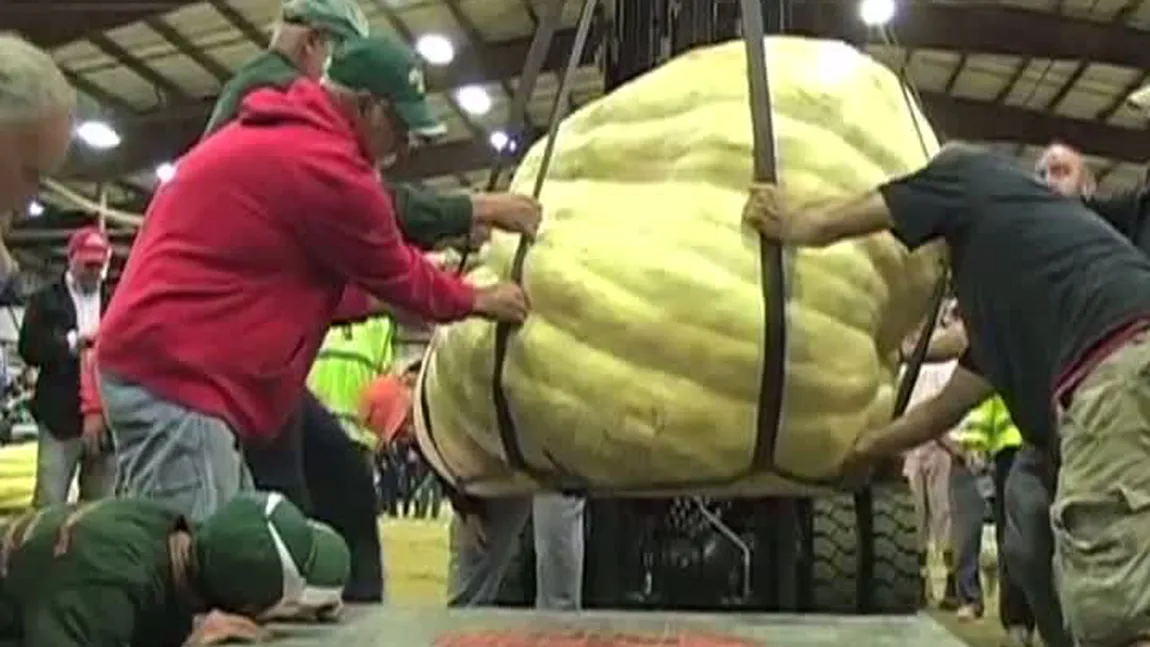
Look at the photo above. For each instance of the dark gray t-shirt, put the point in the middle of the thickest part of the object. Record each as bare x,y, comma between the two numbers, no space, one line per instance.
1040,279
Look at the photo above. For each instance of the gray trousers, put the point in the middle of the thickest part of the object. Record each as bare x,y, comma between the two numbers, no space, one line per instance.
168,453
478,563
1028,547
57,463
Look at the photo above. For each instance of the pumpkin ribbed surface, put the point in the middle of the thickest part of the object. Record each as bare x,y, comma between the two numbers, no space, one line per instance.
642,359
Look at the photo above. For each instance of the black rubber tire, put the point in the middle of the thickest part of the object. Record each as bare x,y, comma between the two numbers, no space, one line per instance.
864,556
896,586
835,554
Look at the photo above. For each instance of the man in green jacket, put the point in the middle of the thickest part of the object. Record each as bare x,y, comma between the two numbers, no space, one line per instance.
129,572
310,33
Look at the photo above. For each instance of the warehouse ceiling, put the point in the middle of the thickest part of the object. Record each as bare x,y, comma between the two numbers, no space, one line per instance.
1016,73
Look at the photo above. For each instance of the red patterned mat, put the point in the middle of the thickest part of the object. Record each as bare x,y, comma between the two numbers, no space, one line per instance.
589,639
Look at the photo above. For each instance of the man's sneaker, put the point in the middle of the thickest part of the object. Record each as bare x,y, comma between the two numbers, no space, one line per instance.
1020,636
969,612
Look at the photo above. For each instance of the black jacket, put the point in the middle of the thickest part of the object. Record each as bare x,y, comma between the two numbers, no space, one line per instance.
43,343
1128,212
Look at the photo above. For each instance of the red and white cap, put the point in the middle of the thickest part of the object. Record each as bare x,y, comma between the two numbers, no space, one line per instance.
89,245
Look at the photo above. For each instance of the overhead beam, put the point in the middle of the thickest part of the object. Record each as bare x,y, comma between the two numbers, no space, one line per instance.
52,23
952,118
983,27
165,135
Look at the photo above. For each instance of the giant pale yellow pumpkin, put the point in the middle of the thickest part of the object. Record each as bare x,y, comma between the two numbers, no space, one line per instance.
639,368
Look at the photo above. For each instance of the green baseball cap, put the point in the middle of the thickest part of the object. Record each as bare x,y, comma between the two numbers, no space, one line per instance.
388,70
344,18
259,551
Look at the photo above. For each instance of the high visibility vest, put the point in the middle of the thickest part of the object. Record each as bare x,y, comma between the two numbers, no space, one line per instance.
989,427
350,357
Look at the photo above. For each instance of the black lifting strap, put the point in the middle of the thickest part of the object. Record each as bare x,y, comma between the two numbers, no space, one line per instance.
517,119
918,355
517,114
554,476
773,381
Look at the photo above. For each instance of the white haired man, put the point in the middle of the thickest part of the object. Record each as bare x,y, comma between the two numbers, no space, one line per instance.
36,107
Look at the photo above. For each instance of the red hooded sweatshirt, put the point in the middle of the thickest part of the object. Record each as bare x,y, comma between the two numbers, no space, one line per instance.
243,259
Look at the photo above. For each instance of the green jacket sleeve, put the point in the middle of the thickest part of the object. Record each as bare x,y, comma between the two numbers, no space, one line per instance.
82,617
428,218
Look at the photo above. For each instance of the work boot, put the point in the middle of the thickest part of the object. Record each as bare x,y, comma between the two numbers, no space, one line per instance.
969,612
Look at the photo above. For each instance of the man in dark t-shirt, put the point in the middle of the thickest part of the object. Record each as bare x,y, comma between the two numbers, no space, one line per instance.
1057,308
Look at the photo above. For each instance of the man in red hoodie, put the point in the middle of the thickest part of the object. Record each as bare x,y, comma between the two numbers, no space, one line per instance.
281,209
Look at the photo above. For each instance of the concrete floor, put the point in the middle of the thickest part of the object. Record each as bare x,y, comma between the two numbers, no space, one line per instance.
364,626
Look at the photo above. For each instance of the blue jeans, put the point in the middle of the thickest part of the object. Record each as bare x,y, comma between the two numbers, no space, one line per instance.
967,512
168,453
478,563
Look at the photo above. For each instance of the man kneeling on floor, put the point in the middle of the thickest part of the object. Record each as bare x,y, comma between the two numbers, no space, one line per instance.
131,572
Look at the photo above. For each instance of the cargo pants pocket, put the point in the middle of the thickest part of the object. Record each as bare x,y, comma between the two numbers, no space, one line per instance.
1102,565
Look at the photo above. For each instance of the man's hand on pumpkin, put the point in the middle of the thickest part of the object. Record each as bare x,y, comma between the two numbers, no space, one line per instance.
511,212
776,218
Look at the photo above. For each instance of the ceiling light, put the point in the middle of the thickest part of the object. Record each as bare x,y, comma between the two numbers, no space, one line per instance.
165,172
98,135
435,49
500,140
35,209
876,13
474,100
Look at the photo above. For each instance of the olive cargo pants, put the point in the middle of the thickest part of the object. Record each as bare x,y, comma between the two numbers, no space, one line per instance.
1101,511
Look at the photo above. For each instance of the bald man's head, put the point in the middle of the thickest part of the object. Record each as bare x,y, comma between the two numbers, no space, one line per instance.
1064,170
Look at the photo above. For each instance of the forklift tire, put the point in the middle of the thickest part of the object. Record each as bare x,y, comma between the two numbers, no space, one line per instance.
834,555
864,557
896,580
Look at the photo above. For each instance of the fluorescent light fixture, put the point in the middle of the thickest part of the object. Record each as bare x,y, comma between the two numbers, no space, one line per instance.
98,135
1140,98
436,49
35,209
876,13
165,172
474,100
500,140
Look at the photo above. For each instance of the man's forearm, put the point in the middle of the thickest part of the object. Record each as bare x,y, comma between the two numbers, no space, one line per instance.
932,418
860,216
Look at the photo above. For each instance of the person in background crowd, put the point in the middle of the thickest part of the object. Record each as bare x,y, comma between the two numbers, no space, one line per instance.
385,409
1057,307
180,375
127,572
36,109
60,324
971,487
988,431
349,358
1064,170
1028,545
307,36
927,468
